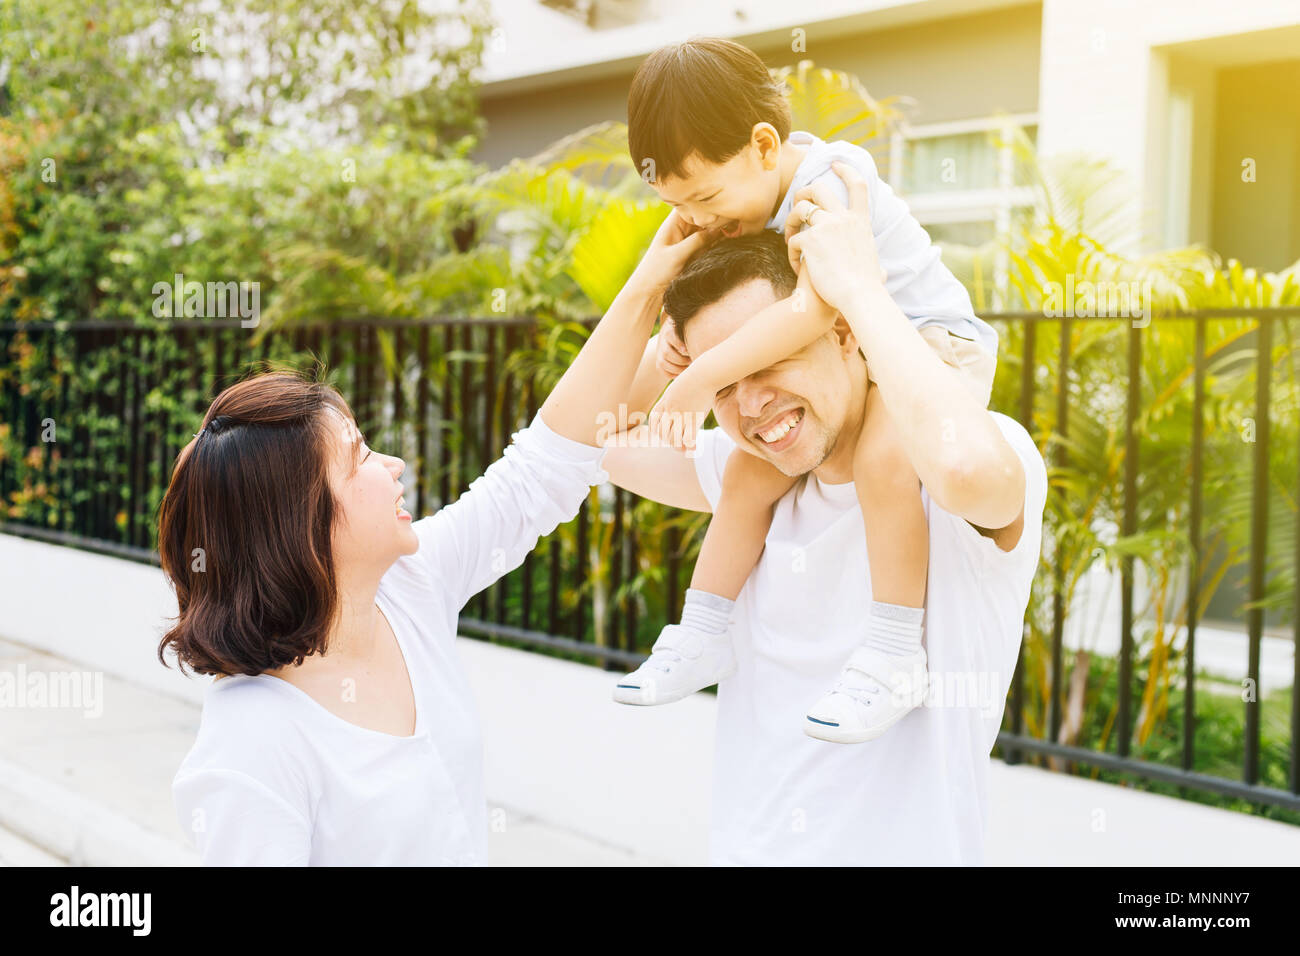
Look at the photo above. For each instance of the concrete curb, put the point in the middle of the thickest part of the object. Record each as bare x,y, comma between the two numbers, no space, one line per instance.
72,828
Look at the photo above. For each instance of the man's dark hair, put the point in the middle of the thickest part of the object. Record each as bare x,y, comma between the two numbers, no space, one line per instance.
703,95
726,264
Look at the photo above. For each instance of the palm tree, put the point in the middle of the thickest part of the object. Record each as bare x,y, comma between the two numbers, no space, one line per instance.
1081,211
579,215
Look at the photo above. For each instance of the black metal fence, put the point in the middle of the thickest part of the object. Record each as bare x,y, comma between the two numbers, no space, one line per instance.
447,394
126,398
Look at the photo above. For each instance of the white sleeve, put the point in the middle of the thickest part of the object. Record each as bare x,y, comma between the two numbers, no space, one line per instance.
712,448
538,483
922,287
1025,555
236,820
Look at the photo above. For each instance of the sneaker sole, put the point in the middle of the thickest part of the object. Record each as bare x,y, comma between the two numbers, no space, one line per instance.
838,735
634,697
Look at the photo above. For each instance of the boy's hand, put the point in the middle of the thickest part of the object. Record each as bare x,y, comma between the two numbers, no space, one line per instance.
837,249
677,417
675,242
806,299
671,356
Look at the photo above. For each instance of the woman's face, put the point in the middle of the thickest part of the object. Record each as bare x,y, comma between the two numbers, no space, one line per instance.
373,529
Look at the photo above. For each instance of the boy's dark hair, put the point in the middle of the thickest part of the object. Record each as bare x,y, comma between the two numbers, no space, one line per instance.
703,95
726,264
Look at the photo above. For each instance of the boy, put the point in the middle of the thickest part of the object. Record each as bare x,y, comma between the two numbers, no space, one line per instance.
710,129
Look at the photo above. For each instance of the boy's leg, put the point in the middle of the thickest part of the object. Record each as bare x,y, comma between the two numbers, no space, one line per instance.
889,669
885,677
697,652
734,540
898,537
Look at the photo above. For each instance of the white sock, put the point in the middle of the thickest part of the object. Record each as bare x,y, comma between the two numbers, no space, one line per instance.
895,629
705,612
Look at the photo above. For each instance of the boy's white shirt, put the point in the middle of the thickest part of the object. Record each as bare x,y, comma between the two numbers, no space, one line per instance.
917,795
916,278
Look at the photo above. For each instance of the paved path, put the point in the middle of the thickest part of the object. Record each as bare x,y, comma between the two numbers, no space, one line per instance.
96,790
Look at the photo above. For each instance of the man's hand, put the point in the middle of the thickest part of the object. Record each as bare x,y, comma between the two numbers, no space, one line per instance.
837,247
671,356
675,242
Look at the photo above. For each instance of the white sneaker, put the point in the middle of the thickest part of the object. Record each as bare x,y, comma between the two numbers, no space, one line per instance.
682,661
874,692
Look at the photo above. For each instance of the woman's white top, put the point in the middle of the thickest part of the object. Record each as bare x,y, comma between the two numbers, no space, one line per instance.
274,778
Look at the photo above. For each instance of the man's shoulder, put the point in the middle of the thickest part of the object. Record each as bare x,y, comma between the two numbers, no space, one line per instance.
1021,441
965,535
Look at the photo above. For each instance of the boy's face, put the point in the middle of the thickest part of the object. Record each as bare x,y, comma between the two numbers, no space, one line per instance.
737,197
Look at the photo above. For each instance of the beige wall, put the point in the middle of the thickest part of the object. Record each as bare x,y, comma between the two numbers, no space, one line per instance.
1197,82
954,69
523,124
1258,116
1106,72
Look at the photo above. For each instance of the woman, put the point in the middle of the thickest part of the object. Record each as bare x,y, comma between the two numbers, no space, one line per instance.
340,729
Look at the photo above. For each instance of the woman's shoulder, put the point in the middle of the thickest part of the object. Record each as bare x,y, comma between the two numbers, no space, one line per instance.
411,583
247,726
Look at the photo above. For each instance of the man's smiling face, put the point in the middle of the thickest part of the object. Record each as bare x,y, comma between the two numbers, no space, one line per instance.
791,413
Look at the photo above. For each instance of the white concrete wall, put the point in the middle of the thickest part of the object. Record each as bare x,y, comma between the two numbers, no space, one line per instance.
103,612
558,750
1103,79
557,747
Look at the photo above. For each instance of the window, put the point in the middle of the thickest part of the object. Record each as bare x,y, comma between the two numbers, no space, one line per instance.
962,184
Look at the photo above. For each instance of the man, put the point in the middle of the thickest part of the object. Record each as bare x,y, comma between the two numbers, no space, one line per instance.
918,795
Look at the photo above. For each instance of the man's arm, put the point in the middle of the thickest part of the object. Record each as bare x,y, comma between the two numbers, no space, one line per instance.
635,463
959,453
660,474
648,383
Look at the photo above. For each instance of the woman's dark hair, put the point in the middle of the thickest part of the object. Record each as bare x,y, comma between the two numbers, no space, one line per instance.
704,95
245,528
724,265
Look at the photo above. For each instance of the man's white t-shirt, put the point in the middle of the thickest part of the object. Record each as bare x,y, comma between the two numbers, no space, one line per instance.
922,287
917,795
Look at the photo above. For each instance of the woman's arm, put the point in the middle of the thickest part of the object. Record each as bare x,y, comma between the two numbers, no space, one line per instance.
547,470
600,378
649,381
238,821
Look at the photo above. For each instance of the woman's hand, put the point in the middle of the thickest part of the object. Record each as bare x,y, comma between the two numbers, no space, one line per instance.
677,417
837,248
671,356
675,242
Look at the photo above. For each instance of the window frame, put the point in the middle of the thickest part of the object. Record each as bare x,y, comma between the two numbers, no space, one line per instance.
993,205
